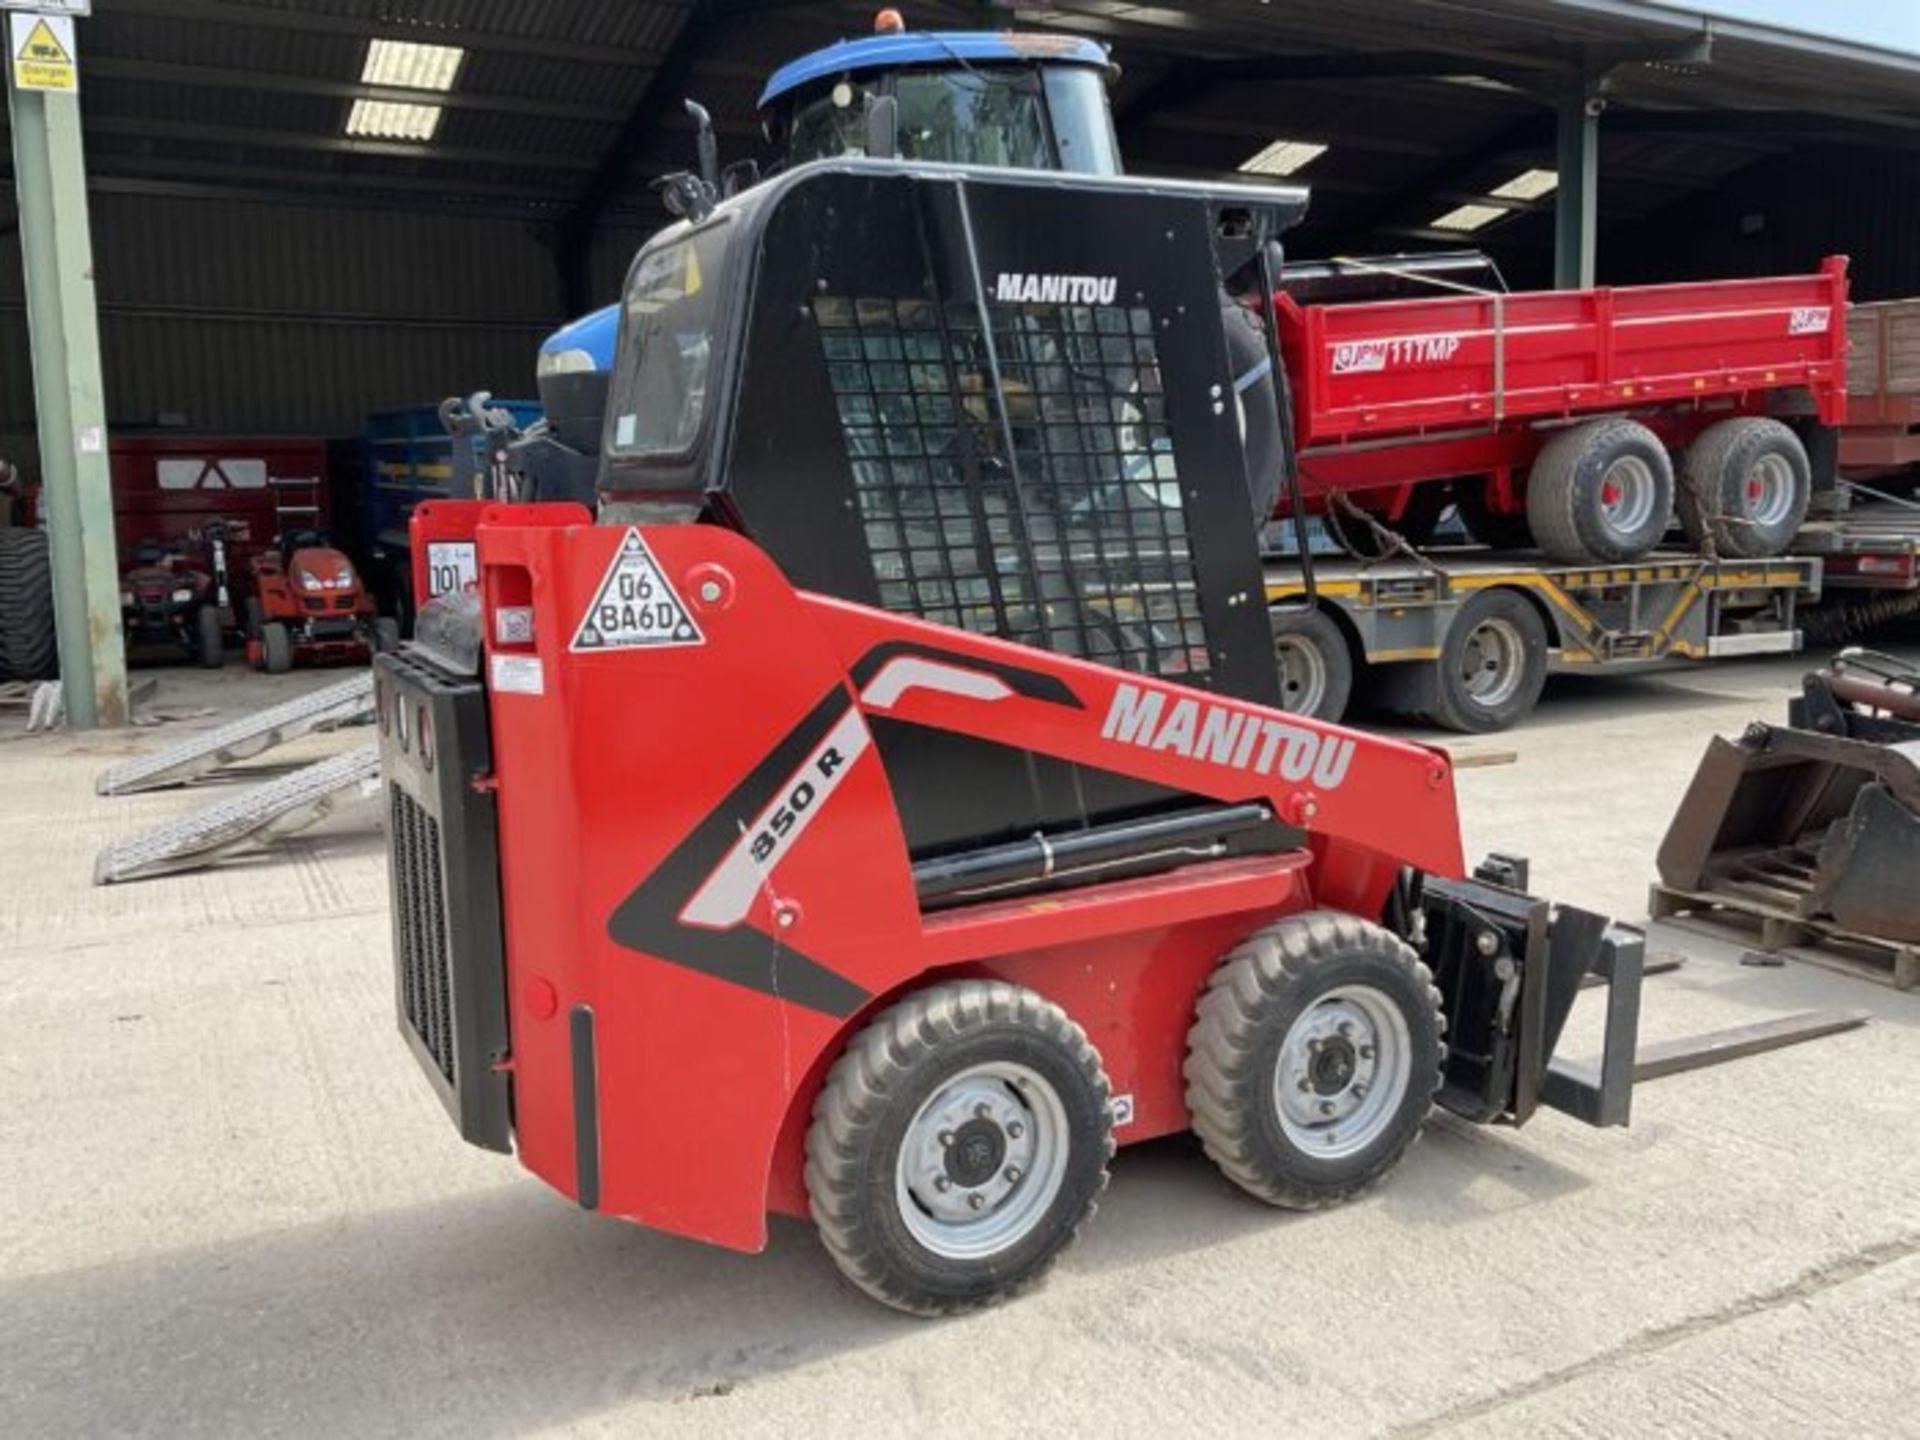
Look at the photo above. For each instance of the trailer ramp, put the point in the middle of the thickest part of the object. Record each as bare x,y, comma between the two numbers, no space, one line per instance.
350,702
246,821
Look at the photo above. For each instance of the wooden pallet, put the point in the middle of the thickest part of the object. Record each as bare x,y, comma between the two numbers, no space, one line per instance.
1817,942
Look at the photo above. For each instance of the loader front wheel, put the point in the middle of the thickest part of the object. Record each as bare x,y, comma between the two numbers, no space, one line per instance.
958,1146
1314,1059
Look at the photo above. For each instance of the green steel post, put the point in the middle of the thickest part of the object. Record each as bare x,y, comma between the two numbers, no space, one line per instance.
57,251
1576,210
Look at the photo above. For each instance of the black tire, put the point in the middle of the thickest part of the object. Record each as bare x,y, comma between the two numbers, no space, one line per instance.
28,647
1254,1063
276,647
1745,488
1259,410
386,634
1492,667
1600,493
210,641
1315,663
912,1056
1494,529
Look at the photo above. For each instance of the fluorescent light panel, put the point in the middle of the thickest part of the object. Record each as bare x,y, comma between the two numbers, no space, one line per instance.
1467,218
391,120
1529,185
411,66
1283,157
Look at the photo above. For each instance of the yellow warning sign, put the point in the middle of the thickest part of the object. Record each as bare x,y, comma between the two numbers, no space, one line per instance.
43,52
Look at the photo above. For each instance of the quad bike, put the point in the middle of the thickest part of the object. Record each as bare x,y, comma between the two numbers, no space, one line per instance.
308,605
168,600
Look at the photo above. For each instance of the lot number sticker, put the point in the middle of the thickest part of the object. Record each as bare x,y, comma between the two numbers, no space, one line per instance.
450,567
635,607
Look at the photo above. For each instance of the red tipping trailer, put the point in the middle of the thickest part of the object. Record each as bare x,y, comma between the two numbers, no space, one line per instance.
1560,408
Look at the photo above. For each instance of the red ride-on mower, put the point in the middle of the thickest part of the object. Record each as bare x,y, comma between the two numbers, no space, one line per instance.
168,599
308,606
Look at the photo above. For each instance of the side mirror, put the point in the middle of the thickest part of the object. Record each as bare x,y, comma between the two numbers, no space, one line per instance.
883,127
706,147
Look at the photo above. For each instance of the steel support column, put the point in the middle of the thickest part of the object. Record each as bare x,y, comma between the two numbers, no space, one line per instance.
57,253
1576,200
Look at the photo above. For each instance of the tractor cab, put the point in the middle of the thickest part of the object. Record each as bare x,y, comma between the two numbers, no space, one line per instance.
1018,101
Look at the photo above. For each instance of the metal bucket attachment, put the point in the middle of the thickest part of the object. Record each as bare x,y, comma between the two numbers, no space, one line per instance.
1820,824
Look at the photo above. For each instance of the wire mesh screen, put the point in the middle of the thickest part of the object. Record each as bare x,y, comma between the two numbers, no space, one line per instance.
1076,543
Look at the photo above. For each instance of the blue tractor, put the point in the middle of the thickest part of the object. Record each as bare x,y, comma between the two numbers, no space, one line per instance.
1029,102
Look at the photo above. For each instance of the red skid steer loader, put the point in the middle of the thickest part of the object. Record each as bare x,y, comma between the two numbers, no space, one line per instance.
884,810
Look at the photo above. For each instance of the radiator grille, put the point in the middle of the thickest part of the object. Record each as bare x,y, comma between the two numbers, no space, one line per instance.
424,960
1080,545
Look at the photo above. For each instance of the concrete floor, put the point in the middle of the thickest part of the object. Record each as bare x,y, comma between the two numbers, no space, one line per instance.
234,1207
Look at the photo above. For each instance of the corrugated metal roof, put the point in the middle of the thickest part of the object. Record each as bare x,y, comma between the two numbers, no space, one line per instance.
258,90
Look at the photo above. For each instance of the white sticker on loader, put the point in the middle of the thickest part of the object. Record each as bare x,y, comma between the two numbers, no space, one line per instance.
518,675
635,608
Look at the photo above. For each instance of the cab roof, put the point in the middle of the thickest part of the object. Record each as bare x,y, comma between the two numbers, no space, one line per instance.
932,47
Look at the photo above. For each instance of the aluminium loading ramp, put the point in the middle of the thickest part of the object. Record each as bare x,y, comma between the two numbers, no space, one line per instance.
350,702
245,821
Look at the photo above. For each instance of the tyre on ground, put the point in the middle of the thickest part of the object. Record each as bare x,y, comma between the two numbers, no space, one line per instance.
209,638
1314,1059
276,646
1315,663
1489,674
28,648
1601,492
1744,488
1496,529
957,1146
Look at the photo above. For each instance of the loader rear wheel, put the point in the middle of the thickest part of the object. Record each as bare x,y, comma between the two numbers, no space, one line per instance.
28,650
1315,665
958,1146
1314,1059
1745,488
276,647
1600,492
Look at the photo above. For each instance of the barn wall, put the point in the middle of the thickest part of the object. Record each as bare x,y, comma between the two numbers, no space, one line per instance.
1782,215
254,317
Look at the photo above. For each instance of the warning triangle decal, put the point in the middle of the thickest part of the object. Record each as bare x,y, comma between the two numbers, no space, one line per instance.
43,46
635,607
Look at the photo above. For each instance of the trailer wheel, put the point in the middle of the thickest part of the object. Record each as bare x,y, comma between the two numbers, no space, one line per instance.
276,646
1495,529
1745,488
1602,492
958,1146
1316,667
210,641
1314,1059
28,648
1492,667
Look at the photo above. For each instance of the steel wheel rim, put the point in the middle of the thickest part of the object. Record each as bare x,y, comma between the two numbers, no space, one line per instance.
1492,661
1303,674
1627,495
1023,1132
1343,1069
1769,490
